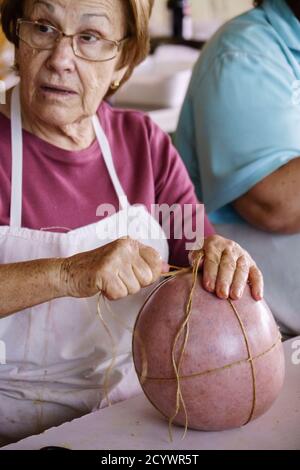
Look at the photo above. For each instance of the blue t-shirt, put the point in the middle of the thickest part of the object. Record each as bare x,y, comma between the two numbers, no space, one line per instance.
241,118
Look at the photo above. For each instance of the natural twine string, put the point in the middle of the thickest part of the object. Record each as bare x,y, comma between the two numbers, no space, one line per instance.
183,330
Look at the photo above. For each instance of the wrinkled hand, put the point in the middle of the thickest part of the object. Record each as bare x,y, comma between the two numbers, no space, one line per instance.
227,268
118,269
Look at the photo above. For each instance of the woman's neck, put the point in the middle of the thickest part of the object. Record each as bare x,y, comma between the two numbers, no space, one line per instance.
76,136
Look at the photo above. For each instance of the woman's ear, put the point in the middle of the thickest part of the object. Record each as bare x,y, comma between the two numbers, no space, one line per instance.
118,77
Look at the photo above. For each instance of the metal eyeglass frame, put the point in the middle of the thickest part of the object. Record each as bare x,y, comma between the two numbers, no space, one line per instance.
117,44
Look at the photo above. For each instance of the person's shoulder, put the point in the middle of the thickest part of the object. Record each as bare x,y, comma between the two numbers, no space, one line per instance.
135,130
128,121
109,110
248,35
243,26
250,32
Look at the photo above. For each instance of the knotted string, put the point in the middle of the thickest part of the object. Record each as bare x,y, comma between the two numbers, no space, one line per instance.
183,330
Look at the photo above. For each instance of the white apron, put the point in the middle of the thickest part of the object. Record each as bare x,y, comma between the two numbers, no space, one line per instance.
57,352
278,256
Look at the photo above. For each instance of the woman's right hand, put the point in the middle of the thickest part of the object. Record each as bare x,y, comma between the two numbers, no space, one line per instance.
117,270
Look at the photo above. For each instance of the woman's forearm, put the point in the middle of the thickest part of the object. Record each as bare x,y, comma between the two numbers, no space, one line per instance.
273,204
105,270
24,285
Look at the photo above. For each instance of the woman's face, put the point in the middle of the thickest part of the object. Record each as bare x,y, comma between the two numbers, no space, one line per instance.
88,81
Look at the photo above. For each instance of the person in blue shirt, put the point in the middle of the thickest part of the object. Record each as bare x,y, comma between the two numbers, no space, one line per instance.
239,136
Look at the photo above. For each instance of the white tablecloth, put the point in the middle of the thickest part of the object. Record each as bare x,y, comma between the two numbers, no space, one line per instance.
134,424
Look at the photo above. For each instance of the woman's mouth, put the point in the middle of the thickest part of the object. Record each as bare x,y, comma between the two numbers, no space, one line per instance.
57,91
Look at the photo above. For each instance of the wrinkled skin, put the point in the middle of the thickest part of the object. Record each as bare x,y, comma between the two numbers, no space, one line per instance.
65,121
125,266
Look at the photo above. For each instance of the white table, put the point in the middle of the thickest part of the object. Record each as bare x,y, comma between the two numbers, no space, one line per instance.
134,424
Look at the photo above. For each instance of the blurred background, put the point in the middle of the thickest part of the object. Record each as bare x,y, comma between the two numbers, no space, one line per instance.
179,30
6,60
205,13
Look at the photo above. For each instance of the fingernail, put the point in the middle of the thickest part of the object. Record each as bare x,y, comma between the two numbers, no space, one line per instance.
234,295
258,295
224,292
209,285
239,293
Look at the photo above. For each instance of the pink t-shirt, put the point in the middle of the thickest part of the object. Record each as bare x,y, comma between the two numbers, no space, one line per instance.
62,189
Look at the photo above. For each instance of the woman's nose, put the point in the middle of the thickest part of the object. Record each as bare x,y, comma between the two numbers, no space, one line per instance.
62,58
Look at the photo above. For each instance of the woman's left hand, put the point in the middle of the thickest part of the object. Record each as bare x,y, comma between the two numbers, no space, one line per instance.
227,268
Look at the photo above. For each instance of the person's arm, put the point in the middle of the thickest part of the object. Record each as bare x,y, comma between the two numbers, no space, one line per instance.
118,269
274,203
24,285
240,124
174,190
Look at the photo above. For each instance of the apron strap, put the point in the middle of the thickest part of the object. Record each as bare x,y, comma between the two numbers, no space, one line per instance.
17,160
108,159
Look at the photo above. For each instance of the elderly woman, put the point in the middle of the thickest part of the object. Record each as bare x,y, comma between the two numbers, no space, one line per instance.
61,244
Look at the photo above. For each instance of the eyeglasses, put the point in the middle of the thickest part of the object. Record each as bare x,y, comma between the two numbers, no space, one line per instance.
86,45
